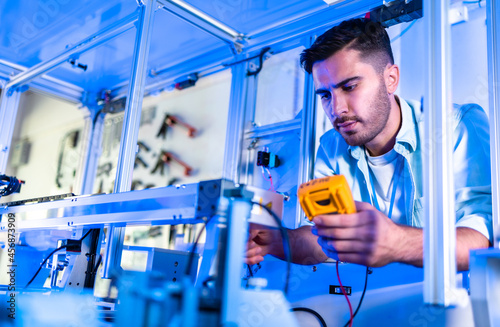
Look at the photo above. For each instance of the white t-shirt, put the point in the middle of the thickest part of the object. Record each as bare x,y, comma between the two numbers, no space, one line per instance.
383,174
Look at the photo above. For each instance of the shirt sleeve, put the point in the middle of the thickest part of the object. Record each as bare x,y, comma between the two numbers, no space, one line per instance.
472,170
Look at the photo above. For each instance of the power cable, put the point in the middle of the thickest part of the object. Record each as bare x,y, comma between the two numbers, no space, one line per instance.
311,311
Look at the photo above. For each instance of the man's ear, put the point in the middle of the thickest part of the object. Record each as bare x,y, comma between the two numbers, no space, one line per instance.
391,78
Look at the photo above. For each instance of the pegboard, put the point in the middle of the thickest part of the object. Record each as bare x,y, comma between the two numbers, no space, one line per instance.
204,107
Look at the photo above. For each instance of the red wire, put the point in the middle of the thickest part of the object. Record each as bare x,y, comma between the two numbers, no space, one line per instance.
271,188
271,179
343,292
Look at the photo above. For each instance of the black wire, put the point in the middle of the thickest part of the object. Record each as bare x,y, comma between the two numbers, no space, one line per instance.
240,61
368,271
83,237
44,261
99,112
250,272
50,255
193,249
317,315
97,265
287,249
261,59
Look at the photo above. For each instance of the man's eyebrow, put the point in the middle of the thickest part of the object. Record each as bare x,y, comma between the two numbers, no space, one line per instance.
338,85
347,80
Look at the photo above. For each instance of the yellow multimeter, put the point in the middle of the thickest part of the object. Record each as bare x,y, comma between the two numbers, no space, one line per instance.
326,195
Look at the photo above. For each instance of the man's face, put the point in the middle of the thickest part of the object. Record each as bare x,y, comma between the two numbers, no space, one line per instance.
353,95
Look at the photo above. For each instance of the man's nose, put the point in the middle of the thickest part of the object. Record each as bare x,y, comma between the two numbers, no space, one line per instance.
339,106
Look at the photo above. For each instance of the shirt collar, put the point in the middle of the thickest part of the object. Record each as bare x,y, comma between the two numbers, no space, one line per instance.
407,134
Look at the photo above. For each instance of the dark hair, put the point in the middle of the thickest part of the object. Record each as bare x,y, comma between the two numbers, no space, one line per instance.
364,35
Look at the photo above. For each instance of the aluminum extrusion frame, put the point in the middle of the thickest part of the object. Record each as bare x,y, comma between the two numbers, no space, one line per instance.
182,204
203,21
236,115
8,111
493,39
130,130
307,136
439,206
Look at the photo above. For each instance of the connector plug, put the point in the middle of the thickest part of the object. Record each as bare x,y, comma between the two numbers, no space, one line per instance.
73,246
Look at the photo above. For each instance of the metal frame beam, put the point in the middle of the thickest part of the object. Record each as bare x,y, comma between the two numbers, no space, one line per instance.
235,123
307,136
8,111
439,207
45,84
203,21
130,130
91,149
167,205
303,26
493,38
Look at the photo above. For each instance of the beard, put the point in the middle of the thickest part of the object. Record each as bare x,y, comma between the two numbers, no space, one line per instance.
372,125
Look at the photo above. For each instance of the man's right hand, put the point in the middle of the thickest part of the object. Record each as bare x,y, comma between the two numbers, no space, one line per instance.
260,243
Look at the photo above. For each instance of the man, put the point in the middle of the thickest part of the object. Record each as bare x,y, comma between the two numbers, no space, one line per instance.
377,144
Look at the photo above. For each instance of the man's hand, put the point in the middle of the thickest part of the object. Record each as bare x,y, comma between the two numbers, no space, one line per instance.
260,242
367,237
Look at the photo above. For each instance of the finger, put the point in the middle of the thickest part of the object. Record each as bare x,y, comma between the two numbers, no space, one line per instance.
256,251
254,260
344,246
339,220
363,206
251,245
348,233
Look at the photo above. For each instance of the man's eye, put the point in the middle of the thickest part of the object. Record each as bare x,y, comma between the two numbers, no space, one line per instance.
325,96
349,88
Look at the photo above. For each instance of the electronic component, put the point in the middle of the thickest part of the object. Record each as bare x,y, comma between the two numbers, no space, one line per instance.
190,80
267,159
397,12
326,195
336,289
74,246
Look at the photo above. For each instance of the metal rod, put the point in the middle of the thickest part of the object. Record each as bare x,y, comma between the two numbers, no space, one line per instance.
170,204
91,149
92,41
493,34
45,84
273,129
201,20
307,137
439,206
237,226
130,130
9,104
235,124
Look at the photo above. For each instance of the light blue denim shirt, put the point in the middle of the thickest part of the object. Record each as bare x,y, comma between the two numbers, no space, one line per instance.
471,158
